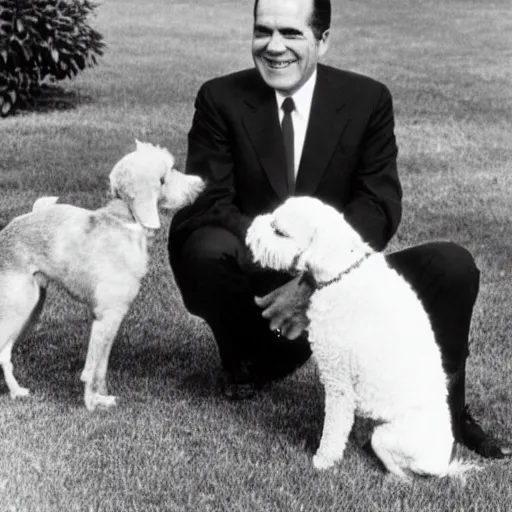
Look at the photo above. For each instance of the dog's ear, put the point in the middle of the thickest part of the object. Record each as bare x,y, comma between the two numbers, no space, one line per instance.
139,195
145,210
312,259
145,146
333,247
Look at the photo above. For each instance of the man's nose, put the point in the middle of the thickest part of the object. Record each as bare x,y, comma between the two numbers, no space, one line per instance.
276,43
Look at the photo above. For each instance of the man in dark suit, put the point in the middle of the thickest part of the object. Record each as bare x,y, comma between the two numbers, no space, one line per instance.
334,140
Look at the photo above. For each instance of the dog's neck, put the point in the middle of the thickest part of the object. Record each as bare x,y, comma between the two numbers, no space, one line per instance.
119,209
318,284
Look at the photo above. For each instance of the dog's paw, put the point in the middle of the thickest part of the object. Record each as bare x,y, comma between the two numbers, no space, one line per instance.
98,401
393,480
19,392
322,462
86,375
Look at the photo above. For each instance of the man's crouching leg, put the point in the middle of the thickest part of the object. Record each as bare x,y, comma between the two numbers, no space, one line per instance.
216,279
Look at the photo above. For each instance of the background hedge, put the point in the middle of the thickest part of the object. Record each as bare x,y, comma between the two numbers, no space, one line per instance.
43,41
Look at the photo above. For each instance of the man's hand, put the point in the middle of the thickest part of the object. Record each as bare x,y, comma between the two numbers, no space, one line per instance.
286,306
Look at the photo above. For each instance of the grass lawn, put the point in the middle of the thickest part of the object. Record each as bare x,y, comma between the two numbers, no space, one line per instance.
172,443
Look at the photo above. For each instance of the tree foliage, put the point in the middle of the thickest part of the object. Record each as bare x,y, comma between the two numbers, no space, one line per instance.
43,41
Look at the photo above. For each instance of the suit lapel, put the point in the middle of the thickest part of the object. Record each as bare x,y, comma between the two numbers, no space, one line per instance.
327,121
261,122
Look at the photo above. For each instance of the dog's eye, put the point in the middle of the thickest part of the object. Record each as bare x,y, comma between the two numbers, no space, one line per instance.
162,180
278,231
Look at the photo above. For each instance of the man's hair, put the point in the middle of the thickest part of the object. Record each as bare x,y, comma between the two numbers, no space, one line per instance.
320,17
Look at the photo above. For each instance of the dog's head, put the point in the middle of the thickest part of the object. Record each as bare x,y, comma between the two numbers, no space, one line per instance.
304,234
146,179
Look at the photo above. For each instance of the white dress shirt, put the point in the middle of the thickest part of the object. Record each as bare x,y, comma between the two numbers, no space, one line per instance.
300,116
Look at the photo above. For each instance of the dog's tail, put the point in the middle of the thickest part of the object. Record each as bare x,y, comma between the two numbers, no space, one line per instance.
44,202
459,469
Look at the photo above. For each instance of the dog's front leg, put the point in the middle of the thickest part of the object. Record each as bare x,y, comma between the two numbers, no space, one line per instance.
94,374
338,421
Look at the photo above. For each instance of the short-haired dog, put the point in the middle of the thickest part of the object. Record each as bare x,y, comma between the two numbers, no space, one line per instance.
98,256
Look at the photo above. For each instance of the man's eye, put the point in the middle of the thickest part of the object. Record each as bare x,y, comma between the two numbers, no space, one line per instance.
291,34
260,33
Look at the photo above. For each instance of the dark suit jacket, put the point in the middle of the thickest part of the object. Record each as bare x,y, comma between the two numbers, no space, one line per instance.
348,160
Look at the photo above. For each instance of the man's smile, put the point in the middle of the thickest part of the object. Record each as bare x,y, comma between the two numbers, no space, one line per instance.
278,63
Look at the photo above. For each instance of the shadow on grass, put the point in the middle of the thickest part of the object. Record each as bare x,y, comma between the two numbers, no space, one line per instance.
164,371
50,360
277,409
289,411
52,98
52,357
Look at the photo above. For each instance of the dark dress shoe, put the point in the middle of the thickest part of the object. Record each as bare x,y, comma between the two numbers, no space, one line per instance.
241,383
236,391
280,358
472,436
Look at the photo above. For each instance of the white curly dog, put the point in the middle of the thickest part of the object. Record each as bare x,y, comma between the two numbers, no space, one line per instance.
98,256
371,338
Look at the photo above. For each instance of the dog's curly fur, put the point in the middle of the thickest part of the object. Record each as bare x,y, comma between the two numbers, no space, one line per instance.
99,256
370,336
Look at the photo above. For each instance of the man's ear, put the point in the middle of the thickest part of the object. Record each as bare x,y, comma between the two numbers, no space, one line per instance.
323,43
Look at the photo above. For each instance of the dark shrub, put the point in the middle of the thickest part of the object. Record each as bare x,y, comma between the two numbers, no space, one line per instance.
43,41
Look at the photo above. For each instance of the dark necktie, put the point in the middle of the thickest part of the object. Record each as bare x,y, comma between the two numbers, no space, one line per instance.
287,126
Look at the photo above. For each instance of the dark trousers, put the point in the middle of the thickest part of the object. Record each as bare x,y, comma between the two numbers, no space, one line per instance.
218,284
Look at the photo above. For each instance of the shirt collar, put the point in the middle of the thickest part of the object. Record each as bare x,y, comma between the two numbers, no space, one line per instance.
302,98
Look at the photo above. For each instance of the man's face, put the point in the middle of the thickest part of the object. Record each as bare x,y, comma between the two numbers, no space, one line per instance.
284,48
